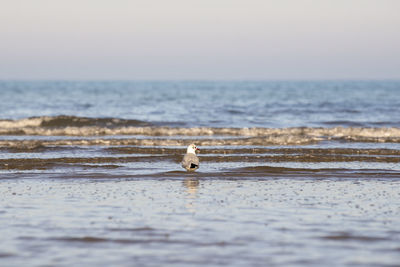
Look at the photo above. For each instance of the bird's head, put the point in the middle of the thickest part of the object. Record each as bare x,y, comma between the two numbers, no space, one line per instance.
192,148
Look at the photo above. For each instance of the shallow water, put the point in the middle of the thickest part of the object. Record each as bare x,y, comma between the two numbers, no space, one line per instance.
291,173
200,221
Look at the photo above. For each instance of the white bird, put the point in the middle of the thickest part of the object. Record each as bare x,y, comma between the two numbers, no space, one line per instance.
190,161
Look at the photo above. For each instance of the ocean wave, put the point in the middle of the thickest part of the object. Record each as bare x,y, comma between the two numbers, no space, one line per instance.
63,121
81,126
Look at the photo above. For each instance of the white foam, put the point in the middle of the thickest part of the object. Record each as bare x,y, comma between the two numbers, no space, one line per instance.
299,135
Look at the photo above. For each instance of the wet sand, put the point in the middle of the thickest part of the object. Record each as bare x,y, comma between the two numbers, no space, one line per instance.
190,220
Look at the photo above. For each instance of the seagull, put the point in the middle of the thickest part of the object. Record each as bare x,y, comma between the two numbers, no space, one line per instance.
190,161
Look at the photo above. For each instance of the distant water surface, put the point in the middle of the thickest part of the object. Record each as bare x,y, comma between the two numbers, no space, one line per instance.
212,104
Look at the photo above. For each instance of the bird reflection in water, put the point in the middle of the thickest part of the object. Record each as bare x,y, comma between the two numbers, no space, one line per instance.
191,185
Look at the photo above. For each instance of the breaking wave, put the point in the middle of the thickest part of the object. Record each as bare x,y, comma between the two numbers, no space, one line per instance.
63,121
83,126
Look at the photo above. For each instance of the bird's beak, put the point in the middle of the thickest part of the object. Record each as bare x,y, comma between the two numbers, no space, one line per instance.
197,148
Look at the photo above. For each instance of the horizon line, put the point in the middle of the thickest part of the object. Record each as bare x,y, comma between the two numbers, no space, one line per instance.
196,80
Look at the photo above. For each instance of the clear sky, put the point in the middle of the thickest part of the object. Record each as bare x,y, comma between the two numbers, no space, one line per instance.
199,39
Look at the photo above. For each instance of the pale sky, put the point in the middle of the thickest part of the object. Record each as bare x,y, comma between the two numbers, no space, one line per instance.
199,39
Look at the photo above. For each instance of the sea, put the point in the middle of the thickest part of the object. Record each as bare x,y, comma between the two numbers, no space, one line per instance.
292,173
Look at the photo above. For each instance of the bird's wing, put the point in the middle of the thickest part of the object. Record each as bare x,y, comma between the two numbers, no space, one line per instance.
190,159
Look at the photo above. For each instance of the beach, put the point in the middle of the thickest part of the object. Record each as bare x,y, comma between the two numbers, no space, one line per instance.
291,173
199,221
